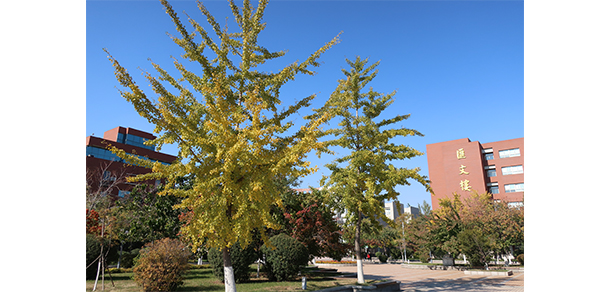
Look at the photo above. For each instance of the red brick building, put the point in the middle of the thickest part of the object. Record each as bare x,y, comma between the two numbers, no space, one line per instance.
461,166
104,167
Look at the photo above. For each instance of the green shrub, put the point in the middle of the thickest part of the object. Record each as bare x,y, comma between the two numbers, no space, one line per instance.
383,258
284,257
240,261
520,259
161,265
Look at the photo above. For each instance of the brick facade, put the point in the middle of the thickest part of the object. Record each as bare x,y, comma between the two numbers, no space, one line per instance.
462,166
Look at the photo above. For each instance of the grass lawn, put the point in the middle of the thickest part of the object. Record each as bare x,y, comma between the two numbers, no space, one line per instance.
204,280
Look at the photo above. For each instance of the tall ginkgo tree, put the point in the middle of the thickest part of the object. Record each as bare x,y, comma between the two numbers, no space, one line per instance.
233,139
365,177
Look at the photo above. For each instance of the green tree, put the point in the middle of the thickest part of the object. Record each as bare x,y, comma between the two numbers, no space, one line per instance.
144,216
501,225
364,178
446,224
224,117
476,226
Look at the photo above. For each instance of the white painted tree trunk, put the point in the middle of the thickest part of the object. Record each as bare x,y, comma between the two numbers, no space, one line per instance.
228,270
98,274
358,250
360,271
229,280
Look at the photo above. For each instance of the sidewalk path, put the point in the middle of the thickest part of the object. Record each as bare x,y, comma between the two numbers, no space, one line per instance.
438,280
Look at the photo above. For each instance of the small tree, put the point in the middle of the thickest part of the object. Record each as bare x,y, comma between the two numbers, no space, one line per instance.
101,183
230,133
363,179
309,220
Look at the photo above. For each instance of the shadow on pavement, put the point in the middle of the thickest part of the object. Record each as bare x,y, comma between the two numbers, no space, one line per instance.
463,285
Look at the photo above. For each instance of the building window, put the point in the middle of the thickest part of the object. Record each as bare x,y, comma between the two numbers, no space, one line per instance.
509,153
122,194
490,170
488,153
108,155
101,153
492,188
515,169
137,141
513,188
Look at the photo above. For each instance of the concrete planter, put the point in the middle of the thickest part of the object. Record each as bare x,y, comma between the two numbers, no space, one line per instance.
377,287
448,260
489,273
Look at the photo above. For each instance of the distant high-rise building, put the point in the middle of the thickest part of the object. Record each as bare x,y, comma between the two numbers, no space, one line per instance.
413,211
461,166
393,210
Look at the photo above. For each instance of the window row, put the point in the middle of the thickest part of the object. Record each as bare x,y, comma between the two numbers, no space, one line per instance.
490,170
489,154
134,140
508,188
108,155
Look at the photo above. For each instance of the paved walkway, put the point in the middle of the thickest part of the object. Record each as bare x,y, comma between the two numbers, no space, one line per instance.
413,280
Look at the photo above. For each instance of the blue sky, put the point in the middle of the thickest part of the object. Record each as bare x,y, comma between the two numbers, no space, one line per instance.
457,66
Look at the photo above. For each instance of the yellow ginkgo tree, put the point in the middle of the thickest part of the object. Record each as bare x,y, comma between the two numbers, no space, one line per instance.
225,119
365,177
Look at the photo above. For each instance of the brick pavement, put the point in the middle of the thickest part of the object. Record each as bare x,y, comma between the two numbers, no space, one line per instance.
413,280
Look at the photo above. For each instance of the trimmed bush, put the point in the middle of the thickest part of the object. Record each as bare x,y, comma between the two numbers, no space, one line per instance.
161,265
383,258
284,258
240,261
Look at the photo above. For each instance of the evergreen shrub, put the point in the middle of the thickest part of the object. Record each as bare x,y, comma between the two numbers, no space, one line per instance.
284,258
383,258
241,259
161,265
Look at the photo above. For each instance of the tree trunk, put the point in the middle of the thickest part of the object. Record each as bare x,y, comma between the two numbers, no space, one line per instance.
358,249
228,271
99,263
118,264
